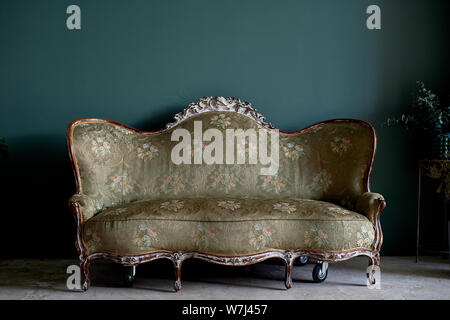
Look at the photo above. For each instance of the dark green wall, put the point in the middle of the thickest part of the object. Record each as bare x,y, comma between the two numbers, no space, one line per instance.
138,62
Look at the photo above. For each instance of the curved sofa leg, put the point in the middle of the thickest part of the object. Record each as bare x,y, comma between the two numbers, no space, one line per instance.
289,265
84,265
177,259
375,260
374,265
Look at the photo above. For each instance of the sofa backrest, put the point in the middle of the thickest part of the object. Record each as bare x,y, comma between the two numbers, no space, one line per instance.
115,164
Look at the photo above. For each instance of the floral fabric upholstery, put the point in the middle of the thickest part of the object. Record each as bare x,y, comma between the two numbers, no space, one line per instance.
121,169
226,226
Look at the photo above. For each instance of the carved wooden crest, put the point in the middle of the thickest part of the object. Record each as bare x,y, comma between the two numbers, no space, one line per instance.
210,104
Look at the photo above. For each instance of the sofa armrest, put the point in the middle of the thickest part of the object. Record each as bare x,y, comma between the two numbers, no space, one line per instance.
86,204
370,204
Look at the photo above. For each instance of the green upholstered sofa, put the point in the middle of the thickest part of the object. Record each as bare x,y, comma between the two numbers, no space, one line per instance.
134,204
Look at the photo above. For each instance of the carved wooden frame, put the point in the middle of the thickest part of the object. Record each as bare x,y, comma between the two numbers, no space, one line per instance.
210,104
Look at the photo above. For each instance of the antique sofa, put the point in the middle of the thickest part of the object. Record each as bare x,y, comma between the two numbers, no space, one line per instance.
135,203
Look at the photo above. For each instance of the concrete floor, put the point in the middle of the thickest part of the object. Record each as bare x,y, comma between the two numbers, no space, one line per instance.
401,278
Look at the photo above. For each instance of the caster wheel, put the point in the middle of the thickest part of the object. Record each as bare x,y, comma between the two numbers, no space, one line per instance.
128,280
128,277
302,261
318,274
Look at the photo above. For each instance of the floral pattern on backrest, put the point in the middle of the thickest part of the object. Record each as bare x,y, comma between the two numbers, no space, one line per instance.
328,161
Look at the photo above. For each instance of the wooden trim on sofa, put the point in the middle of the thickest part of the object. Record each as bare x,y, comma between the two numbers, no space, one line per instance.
194,109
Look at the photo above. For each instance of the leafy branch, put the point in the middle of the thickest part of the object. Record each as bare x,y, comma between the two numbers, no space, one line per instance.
425,115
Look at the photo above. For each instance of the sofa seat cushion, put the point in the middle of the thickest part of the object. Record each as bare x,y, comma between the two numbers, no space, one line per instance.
226,226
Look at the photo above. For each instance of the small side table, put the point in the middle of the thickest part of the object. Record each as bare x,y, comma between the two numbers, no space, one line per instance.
438,170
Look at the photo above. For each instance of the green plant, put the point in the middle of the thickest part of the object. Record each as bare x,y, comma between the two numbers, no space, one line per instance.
425,115
4,154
